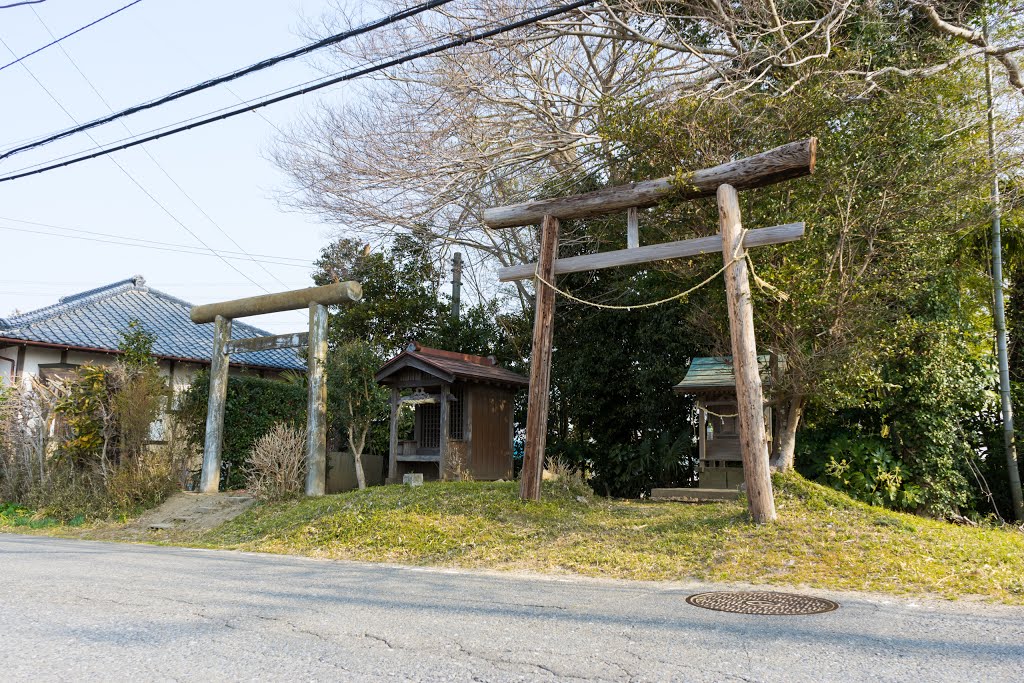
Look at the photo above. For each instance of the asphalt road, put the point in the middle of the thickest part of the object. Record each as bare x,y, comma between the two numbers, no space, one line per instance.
79,610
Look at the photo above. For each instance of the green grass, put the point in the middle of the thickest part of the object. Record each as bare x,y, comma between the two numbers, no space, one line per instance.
822,539
21,518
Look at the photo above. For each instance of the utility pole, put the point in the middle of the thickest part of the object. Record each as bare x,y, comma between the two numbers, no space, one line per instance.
999,314
456,285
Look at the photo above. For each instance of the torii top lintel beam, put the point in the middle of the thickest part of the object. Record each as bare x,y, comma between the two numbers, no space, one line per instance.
337,293
782,163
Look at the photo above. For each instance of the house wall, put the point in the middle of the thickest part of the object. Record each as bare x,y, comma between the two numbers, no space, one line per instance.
179,373
492,432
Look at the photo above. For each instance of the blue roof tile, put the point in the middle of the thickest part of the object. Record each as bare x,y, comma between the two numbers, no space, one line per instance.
96,319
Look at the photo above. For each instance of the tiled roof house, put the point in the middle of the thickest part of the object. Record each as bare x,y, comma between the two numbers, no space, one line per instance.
87,328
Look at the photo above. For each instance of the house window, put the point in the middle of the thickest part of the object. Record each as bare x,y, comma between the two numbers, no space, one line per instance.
51,371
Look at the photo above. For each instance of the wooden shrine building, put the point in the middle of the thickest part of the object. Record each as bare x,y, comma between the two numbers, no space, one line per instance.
463,408
713,382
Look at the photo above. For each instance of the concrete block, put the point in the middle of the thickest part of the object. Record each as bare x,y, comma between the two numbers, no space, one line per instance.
413,479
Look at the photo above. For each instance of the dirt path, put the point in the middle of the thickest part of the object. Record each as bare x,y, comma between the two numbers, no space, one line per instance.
192,512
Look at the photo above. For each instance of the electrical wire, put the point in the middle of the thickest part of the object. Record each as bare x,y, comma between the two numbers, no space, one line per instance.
182,248
67,35
82,231
154,160
465,40
134,181
23,2
258,66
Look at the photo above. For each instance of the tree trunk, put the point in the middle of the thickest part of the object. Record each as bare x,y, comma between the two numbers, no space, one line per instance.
357,454
787,437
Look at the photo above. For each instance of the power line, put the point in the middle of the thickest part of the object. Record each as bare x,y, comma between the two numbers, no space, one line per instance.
274,257
182,248
132,178
258,66
190,119
23,2
154,160
67,35
465,40
74,283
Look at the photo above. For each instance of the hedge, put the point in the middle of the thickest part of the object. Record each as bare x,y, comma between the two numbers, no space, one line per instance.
253,406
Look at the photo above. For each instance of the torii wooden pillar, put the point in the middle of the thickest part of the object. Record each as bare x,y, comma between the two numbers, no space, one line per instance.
782,163
316,299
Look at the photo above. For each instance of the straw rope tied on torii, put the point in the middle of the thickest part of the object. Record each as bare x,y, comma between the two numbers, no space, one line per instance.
793,160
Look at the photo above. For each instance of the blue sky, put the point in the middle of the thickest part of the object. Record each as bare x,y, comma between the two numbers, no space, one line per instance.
145,51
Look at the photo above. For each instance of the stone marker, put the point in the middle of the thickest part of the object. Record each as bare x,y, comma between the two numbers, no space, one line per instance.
413,479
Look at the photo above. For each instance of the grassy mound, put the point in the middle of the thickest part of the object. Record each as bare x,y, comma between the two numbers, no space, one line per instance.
823,538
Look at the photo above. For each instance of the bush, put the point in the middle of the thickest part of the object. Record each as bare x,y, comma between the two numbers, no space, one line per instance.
631,470
79,447
277,463
864,468
253,406
37,472
913,442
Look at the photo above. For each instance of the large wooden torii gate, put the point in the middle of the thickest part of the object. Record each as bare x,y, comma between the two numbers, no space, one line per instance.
782,163
221,314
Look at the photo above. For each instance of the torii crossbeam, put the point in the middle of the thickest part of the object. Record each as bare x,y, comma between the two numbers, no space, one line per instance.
793,160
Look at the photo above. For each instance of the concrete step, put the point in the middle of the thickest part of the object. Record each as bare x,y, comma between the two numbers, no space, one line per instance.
694,495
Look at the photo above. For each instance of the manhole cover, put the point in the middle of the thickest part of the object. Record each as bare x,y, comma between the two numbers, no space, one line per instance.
762,602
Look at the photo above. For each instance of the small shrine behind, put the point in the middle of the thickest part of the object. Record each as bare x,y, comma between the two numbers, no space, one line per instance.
713,382
463,407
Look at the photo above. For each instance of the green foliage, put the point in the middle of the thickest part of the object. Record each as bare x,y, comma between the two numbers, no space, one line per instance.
865,469
109,410
357,402
913,443
136,345
613,411
252,408
400,292
83,408
476,330
631,470
403,300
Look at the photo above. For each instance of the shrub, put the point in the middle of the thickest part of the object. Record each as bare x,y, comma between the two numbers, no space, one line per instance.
866,470
36,472
277,463
631,470
252,408
79,447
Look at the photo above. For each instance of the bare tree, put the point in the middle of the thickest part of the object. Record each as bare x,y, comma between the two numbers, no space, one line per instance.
426,146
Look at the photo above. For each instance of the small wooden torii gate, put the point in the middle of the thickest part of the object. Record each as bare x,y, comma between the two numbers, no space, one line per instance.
221,314
782,163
